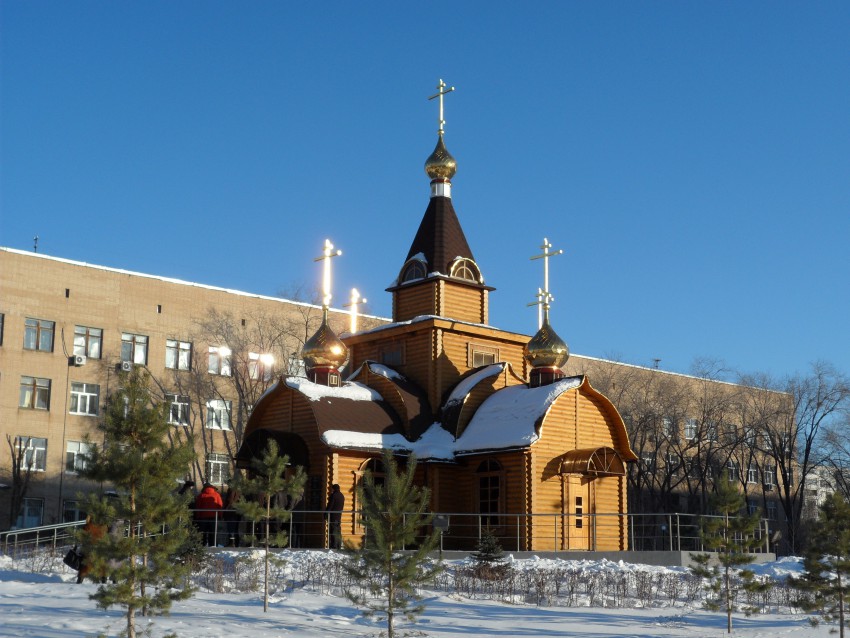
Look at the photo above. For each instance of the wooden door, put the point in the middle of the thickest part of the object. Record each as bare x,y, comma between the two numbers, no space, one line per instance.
578,506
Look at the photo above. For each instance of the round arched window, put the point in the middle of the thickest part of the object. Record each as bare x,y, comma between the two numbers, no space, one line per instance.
466,269
412,271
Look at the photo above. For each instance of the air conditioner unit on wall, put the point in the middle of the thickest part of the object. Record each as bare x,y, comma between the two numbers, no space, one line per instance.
79,360
126,366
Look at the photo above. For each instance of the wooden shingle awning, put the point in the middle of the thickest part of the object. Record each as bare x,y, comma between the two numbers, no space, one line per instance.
599,461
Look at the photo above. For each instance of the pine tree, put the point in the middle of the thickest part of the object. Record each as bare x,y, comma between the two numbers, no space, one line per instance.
149,526
489,557
257,502
826,576
392,560
732,536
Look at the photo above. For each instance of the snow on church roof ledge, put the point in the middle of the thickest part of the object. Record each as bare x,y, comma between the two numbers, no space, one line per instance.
351,390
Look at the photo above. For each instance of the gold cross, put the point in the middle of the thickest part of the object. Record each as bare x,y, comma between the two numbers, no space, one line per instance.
543,295
327,253
356,300
440,93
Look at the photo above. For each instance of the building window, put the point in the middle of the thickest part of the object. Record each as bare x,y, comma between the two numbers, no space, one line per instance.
85,398
733,469
88,342
260,366
218,414
489,491
668,427
32,513
218,468
178,354
479,355
690,429
219,361
465,269
391,354
33,451
296,367
648,461
752,506
771,510
178,409
75,456
673,463
134,348
35,393
38,335
752,474
413,271
71,512
711,431
750,437
769,477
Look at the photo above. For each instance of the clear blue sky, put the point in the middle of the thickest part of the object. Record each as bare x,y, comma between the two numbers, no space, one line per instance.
692,159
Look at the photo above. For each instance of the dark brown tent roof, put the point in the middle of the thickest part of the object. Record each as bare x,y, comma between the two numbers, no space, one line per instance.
440,237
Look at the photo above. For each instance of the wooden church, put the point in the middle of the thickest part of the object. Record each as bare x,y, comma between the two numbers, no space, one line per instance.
504,441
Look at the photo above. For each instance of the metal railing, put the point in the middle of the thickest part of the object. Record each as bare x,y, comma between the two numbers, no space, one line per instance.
458,531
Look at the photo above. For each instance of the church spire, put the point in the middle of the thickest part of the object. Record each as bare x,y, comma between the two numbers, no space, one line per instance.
324,353
546,353
440,165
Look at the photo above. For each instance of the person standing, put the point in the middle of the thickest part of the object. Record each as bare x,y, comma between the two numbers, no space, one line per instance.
208,506
336,502
92,534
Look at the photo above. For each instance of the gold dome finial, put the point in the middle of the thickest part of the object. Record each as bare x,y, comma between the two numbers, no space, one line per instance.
324,350
546,349
440,164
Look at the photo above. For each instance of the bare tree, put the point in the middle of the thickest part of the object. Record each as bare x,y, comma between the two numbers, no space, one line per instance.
21,473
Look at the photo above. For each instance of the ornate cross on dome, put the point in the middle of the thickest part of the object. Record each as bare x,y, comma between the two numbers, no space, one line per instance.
356,300
327,253
543,295
440,93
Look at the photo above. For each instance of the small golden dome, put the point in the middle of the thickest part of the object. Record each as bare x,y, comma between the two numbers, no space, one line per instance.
324,349
546,349
440,164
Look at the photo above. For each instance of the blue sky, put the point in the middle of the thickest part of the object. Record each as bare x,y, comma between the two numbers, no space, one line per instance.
692,159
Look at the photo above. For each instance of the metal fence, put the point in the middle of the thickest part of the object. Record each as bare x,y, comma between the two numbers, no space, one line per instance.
458,531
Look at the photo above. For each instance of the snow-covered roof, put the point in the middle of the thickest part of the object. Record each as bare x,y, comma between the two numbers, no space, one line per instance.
509,418
465,386
351,390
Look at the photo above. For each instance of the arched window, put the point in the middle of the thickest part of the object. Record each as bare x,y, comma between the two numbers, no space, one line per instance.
415,269
376,467
466,269
489,475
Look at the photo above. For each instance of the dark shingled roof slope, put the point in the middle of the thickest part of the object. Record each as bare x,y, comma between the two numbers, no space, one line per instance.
440,237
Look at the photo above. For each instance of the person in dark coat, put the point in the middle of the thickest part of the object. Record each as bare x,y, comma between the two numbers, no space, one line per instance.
231,516
208,506
336,503
92,534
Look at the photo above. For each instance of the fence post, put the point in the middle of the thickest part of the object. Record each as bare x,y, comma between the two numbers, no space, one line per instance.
631,523
517,533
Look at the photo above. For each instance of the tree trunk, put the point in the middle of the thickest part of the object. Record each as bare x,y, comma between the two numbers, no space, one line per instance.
266,584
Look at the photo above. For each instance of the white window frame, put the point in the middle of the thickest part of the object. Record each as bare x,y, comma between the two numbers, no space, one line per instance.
178,409
691,429
752,473
220,361
772,510
88,342
218,414
178,354
134,348
769,474
75,452
733,469
34,457
218,468
85,399
260,365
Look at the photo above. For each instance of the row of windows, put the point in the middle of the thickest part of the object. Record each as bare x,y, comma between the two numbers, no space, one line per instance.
32,510
709,431
88,342
733,469
85,401
33,455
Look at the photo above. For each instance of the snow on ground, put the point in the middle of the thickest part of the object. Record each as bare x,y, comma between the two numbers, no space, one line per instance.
48,604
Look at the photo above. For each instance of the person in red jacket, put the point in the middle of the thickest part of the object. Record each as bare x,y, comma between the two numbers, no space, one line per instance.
208,506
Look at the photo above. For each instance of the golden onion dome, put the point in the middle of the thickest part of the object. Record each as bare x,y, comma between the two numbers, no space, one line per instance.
440,164
546,349
324,349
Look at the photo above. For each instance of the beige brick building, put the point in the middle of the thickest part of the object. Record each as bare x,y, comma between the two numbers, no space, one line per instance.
67,327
